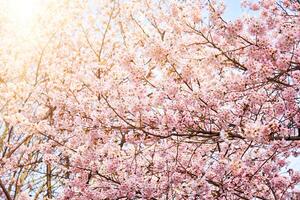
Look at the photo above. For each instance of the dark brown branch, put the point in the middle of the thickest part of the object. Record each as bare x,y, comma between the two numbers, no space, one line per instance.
288,138
54,140
263,165
5,191
48,177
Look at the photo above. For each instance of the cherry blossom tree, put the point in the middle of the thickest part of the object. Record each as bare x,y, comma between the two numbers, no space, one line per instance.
112,99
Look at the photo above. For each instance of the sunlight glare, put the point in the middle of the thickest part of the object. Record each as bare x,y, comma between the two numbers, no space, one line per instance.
22,13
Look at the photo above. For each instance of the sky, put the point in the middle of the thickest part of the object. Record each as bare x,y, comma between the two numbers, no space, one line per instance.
234,10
